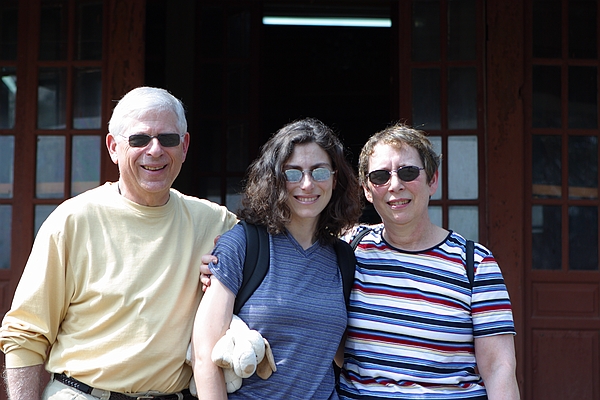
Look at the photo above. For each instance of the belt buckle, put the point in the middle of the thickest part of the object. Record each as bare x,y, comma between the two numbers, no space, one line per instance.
145,397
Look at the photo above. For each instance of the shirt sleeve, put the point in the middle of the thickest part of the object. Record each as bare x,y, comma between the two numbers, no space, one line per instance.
490,305
32,323
231,253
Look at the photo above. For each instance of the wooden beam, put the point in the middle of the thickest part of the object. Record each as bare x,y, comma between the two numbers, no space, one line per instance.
505,154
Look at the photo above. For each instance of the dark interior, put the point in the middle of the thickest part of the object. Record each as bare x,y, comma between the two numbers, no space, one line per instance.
340,75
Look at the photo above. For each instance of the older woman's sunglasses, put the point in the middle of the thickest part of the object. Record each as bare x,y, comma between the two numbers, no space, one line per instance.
165,139
406,174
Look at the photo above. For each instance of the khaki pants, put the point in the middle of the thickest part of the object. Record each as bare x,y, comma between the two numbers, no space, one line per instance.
58,391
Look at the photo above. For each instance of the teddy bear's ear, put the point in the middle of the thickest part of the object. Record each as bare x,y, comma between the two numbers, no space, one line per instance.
267,366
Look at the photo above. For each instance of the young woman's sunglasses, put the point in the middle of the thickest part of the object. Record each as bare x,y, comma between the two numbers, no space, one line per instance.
165,139
382,176
318,174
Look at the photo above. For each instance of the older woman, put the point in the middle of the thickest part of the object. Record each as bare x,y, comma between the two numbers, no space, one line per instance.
416,329
304,192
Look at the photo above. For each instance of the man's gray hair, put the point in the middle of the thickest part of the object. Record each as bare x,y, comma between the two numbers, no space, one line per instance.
143,100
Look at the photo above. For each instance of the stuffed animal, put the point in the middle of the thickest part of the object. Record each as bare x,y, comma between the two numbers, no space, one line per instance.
241,352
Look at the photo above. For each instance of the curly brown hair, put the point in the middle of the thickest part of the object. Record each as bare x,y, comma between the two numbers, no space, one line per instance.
264,200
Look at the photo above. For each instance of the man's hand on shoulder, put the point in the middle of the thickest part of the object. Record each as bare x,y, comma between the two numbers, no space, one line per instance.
205,273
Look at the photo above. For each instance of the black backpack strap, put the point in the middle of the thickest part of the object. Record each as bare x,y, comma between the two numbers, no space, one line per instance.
346,264
354,243
471,262
256,263
347,261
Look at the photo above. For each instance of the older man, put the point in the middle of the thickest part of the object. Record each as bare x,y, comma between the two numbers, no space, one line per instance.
107,298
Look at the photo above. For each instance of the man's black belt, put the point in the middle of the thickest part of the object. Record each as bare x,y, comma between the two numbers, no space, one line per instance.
82,387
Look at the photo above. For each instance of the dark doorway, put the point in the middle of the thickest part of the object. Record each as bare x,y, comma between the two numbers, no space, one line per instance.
340,75
249,79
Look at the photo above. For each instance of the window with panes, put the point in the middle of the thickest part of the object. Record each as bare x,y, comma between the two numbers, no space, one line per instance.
69,98
563,135
63,88
8,92
445,77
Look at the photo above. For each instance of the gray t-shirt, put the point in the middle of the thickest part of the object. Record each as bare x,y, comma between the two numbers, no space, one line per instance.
299,308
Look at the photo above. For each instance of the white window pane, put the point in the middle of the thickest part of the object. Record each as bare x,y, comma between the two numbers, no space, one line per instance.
41,213
463,183
5,230
7,156
8,97
89,31
462,98
87,108
464,220
85,163
426,112
50,167
435,215
52,98
437,146
54,30
462,30
425,30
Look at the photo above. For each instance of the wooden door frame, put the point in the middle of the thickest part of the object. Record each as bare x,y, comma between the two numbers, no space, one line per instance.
505,156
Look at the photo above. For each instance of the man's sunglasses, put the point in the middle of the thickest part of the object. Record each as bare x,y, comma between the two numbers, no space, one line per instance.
165,139
382,176
318,174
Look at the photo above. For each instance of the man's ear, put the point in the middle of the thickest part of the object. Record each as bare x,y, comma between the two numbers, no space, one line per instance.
368,194
111,145
186,145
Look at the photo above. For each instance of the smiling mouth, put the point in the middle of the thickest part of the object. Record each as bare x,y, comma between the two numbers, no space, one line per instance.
153,168
307,199
398,202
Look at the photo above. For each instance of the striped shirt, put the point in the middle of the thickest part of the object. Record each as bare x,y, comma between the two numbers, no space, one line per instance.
299,308
413,318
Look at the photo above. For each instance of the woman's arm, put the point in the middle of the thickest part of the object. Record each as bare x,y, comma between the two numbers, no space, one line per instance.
339,355
497,364
212,321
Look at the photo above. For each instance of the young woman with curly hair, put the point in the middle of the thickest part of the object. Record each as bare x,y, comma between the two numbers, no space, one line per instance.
304,191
